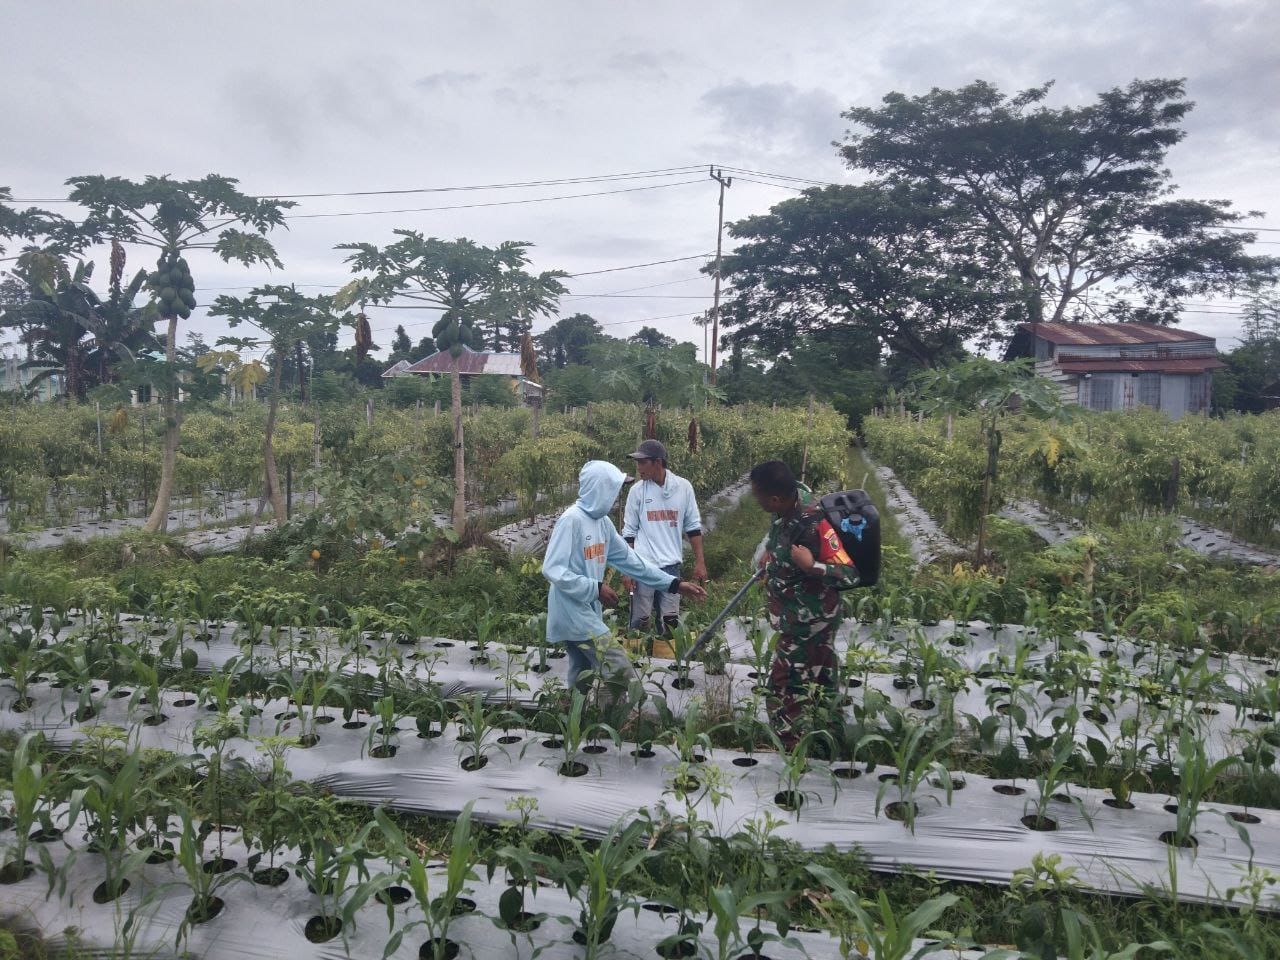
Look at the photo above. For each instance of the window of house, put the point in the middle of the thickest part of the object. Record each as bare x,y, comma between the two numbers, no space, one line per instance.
1102,394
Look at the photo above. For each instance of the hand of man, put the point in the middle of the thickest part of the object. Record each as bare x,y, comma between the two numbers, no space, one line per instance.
802,557
700,572
694,591
608,597
628,585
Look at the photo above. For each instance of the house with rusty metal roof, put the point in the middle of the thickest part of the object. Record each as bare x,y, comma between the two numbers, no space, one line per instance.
1118,366
470,363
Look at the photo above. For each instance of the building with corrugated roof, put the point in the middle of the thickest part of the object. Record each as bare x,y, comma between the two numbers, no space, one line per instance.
470,363
1118,366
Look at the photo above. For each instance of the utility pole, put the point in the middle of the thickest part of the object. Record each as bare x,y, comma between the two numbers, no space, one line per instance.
719,177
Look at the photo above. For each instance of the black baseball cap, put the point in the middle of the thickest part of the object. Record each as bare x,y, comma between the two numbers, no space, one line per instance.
649,450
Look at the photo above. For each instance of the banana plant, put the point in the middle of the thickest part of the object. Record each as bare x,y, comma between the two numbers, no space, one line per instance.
595,879
884,934
33,788
337,874
205,878
436,910
1195,777
915,752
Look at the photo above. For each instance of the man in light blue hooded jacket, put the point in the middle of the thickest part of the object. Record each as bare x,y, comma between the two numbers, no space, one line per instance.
583,544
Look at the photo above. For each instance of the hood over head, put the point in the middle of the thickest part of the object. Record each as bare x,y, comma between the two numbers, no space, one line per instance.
598,485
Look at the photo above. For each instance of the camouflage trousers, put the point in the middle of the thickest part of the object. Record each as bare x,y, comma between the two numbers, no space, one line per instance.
802,676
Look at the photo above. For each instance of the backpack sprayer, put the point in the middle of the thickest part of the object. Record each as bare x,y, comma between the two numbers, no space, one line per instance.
855,520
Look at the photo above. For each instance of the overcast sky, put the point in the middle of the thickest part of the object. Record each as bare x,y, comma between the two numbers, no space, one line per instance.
319,96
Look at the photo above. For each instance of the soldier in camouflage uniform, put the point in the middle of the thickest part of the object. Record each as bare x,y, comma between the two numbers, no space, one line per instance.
805,568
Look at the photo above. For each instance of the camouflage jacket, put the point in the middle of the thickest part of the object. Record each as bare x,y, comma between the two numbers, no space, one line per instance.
803,603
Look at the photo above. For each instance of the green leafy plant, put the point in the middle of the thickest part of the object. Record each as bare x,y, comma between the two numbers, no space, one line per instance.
880,932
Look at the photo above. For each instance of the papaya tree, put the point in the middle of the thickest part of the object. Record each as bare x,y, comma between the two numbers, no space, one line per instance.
991,389
287,318
176,217
470,284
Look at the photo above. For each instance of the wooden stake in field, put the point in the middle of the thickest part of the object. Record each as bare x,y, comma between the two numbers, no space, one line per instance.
808,432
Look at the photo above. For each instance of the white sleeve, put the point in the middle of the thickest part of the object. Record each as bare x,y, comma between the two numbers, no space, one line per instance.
631,515
692,518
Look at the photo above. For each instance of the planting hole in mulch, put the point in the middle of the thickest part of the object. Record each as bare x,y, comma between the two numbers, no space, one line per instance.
887,777
1000,688
686,784
1207,711
595,748
384,751
1171,808
16,873
557,655
957,783
354,724
431,949
322,929
663,909
1115,804
900,810
206,911
1003,708
901,683
270,876
853,683
789,799
430,734
1097,716
462,906
321,720
22,705
1171,838
472,764
480,661
753,674
1241,817
677,951
957,641
407,641
924,703
46,836
1106,654
286,715
573,768
509,739
386,731
394,895
737,761
1061,797
523,922
1008,790
540,668
644,753
58,684
218,865
308,740
464,738
103,894
846,773
1261,717
552,743
184,702
159,855
682,683
444,643
120,694
5,822
154,720
1039,824
87,713
984,673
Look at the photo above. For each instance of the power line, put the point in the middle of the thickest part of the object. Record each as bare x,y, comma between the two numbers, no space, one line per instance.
651,263
491,203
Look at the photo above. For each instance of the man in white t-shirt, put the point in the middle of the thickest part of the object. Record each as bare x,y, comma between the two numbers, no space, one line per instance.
661,511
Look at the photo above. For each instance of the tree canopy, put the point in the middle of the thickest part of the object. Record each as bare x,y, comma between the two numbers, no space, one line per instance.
1075,200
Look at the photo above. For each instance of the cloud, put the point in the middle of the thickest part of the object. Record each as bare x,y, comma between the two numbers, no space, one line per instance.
448,80
775,116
